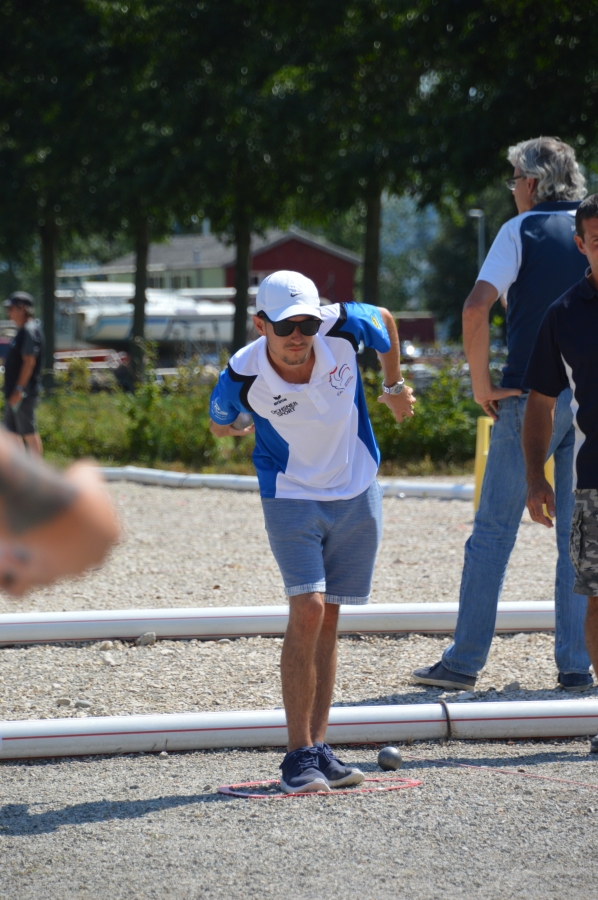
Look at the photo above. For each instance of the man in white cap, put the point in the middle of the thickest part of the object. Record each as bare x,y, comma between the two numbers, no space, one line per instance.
316,459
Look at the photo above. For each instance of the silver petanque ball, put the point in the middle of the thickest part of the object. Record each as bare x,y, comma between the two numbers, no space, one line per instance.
243,420
389,759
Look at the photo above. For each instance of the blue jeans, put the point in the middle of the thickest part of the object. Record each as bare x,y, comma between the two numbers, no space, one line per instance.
495,529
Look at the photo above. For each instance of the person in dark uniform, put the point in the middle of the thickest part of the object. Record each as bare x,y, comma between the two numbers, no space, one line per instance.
23,370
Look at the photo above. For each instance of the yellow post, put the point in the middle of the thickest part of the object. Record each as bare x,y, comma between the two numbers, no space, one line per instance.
481,455
549,475
482,445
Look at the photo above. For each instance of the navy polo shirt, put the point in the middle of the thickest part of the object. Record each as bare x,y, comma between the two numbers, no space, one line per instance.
566,355
532,261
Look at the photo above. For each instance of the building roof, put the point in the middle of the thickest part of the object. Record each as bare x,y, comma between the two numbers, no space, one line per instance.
199,251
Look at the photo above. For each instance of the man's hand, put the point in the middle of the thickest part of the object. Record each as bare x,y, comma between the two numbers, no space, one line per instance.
401,405
15,399
228,430
540,493
489,396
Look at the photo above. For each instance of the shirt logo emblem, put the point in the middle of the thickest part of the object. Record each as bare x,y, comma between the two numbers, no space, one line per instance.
376,323
340,379
278,400
285,410
217,410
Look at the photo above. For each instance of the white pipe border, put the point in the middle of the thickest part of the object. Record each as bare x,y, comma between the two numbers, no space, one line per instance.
391,487
211,623
27,739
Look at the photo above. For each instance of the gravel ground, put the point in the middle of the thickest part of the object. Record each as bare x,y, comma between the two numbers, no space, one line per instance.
209,548
145,827
464,833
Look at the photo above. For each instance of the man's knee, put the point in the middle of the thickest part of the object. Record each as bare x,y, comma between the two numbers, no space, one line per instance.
308,610
331,611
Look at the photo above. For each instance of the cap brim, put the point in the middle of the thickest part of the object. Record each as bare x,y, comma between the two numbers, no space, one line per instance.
299,309
7,304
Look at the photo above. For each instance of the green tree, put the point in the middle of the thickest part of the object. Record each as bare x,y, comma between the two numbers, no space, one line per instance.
43,90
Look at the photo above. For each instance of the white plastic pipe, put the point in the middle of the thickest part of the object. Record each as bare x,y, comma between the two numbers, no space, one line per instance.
235,621
267,728
391,487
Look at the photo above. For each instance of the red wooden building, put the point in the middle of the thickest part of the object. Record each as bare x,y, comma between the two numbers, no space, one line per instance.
330,267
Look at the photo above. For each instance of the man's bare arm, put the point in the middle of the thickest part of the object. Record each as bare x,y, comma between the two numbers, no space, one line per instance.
228,430
476,343
401,405
537,432
51,525
25,373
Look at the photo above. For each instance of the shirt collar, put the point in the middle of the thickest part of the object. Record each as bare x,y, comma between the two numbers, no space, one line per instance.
323,365
555,205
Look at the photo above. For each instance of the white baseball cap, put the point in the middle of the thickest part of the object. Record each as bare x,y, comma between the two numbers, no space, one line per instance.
284,294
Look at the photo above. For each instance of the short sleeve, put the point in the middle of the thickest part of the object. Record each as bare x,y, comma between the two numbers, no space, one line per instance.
365,323
225,404
31,345
545,371
501,266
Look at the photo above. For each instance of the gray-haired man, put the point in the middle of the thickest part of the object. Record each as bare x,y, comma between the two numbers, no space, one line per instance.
533,261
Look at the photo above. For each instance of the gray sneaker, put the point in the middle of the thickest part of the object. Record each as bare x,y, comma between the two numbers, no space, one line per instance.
337,774
439,676
300,772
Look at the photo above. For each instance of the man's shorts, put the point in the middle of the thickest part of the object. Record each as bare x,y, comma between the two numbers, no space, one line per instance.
328,546
23,421
583,544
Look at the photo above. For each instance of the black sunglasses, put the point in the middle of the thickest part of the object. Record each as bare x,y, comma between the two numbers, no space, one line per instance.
286,327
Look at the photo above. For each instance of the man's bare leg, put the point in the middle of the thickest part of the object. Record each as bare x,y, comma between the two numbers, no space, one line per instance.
298,666
591,631
325,672
33,443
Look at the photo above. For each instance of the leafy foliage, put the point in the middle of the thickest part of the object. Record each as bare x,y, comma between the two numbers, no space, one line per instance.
156,426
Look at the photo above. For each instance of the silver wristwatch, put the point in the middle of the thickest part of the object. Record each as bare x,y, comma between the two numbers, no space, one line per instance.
394,388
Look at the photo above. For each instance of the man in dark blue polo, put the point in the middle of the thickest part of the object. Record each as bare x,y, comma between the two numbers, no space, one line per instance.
532,261
566,355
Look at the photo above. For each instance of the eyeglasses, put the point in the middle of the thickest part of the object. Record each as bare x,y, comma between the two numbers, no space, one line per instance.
285,328
511,183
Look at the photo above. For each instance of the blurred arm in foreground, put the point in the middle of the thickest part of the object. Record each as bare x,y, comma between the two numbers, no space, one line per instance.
51,525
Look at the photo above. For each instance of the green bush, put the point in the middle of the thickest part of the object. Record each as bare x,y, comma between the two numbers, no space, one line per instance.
171,426
442,429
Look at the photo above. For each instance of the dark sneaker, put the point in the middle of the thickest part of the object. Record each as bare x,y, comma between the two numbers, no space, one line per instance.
337,774
573,681
594,744
300,772
439,676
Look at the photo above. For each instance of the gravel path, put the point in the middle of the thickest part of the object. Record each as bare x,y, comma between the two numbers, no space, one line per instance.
147,827
209,548
134,826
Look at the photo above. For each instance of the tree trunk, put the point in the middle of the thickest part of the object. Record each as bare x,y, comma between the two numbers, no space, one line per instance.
49,238
243,244
371,263
142,240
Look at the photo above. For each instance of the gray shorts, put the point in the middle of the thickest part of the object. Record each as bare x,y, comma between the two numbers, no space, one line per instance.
23,421
583,544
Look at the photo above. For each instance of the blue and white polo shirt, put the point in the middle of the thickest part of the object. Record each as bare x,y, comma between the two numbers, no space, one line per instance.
312,441
533,260
566,355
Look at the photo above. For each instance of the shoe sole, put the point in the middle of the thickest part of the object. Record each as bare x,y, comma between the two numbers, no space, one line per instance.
356,777
577,689
437,682
309,788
